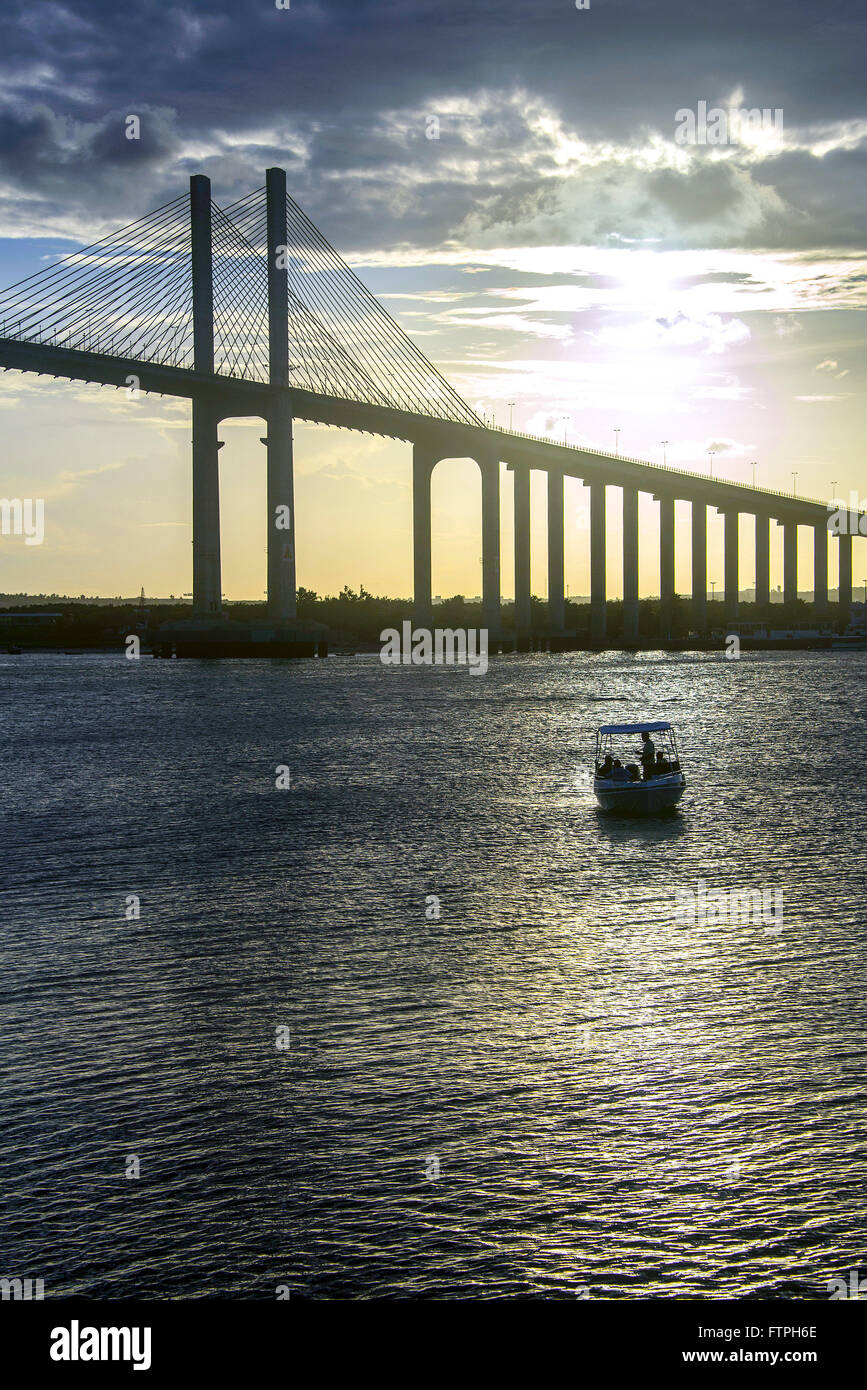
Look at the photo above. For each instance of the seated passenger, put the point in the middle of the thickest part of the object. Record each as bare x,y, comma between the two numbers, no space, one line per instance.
604,768
619,773
662,765
634,774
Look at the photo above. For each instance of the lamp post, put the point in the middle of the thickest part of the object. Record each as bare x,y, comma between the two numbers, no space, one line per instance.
511,405
565,423
753,467
710,454
617,443
713,591
794,483
833,489
664,443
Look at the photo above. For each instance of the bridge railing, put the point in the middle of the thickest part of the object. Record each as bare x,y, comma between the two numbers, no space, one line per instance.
749,489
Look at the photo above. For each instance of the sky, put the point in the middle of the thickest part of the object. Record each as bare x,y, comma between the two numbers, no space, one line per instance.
507,177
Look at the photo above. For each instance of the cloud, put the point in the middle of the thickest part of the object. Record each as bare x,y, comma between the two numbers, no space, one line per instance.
831,365
711,333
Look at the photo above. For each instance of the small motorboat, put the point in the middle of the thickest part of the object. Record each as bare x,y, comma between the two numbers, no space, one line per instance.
651,781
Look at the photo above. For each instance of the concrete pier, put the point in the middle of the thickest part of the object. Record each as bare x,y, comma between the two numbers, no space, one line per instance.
556,560
666,565
423,461
207,591
844,583
820,572
699,566
731,567
763,561
207,580
521,478
281,479
489,465
790,562
281,513
598,609
630,564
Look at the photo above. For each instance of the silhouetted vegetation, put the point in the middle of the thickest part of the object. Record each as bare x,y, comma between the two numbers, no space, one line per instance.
359,618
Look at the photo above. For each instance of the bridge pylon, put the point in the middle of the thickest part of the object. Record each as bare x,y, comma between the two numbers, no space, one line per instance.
281,480
207,576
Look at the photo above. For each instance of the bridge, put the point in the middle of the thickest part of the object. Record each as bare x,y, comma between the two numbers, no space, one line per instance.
247,310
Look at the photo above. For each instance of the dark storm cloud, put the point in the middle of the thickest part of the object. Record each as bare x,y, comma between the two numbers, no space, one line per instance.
228,87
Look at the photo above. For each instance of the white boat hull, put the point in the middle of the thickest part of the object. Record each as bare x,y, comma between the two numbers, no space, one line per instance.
640,798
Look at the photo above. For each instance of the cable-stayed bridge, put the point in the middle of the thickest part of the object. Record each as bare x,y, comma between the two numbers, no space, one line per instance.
247,310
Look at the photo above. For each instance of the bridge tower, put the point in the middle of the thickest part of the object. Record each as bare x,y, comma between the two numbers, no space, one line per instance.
207,581
281,483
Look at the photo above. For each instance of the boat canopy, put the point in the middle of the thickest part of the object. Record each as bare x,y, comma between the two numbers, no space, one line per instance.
658,726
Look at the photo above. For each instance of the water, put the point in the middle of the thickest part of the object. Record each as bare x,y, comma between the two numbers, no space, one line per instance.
557,1086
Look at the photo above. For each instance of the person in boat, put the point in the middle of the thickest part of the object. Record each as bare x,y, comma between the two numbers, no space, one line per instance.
662,764
604,768
618,772
648,755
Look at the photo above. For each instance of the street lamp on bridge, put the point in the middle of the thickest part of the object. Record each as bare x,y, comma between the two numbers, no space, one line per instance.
511,405
794,483
753,467
664,443
710,454
617,443
565,422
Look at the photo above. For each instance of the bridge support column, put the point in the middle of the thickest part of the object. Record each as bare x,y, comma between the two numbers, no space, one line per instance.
423,463
763,565
556,560
281,482
844,584
790,562
521,475
489,467
598,606
207,581
731,567
666,565
820,571
699,566
281,513
630,564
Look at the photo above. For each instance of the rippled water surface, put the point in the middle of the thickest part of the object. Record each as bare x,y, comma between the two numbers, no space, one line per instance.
560,1085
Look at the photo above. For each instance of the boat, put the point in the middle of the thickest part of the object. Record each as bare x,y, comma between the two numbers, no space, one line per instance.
625,786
